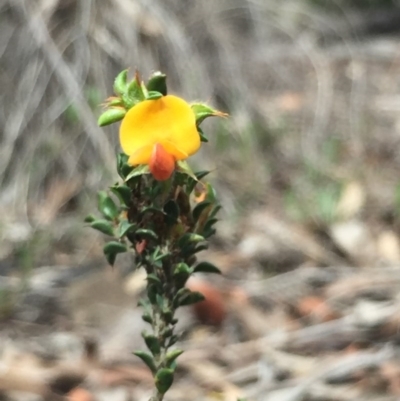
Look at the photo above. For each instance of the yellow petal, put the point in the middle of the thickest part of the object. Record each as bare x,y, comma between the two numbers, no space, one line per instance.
141,156
168,120
174,151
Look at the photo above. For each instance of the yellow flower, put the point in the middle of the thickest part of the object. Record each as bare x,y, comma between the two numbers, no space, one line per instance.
158,133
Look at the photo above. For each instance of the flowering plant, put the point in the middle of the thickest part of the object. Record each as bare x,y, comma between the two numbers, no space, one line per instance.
161,211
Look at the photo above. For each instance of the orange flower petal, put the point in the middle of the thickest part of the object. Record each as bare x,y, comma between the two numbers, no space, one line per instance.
162,163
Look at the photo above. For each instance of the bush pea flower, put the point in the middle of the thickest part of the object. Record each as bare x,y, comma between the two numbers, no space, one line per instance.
158,133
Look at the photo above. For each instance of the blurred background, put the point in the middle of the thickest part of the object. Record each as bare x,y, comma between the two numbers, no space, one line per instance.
306,168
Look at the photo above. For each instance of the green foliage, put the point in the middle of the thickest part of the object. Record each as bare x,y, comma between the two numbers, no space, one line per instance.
163,380
157,83
112,249
206,267
107,206
163,224
103,226
147,359
111,116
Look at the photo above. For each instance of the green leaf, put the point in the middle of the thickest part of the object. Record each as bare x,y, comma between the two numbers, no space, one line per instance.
89,218
202,111
186,297
111,249
146,234
153,95
167,314
164,379
115,247
157,82
103,226
162,256
182,268
152,278
211,193
123,193
150,209
183,167
198,210
111,116
137,171
115,102
189,238
133,94
203,138
147,318
147,359
107,206
201,174
209,224
126,228
200,247
123,167
206,267
172,355
209,233
120,83
181,274
152,343
214,211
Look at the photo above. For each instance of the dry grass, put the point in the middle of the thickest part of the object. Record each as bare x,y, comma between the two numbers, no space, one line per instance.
298,81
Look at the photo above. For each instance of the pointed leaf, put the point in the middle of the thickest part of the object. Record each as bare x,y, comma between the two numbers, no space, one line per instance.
209,224
157,82
123,167
206,267
115,247
172,355
147,318
126,228
103,226
164,379
153,95
123,193
147,359
137,171
133,94
152,343
152,278
189,238
183,167
198,210
203,138
202,111
111,116
120,83
107,206
146,234
186,297
90,218
111,249
181,274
